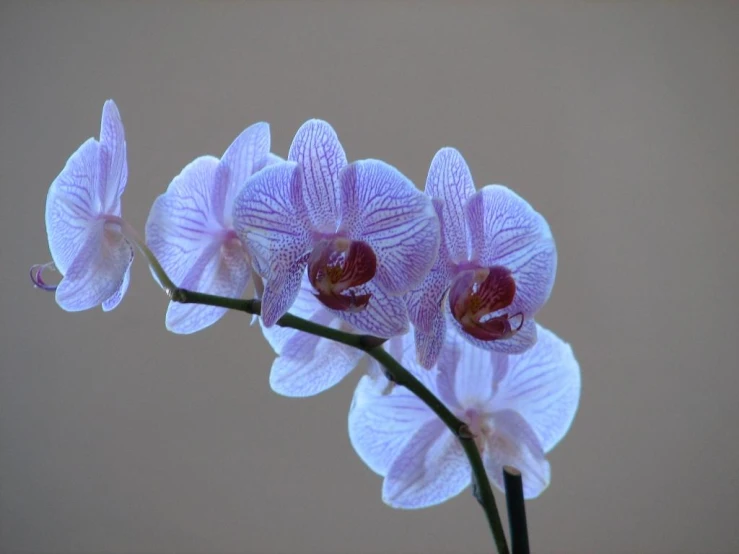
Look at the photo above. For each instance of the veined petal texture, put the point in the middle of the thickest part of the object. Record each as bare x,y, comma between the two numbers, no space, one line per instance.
380,206
272,221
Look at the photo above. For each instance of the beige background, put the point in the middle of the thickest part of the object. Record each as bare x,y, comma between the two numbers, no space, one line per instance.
619,121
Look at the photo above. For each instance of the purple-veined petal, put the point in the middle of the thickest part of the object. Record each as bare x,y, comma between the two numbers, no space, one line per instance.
381,424
223,270
112,302
245,156
72,204
514,443
113,142
384,316
429,344
505,230
98,270
426,303
187,219
317,149
309,365
543,386
306,305
449,179
380,206
519,342
467,373
430,469
269,159
272,221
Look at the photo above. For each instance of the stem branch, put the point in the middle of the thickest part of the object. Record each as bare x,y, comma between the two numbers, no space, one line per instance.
394,371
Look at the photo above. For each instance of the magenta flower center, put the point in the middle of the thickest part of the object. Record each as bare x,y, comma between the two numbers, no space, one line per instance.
477,294
336,267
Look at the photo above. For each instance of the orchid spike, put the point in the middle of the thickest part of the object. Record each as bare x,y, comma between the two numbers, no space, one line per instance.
517,408
86,234
363,231
190,229
495,268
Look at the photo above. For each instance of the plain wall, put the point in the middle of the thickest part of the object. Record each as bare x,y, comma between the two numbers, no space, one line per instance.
619,121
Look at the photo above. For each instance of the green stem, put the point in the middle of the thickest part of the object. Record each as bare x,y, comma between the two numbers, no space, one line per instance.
395,372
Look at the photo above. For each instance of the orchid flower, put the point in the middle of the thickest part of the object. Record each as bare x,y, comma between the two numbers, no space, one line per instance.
518,407
84,225
495,268
364,232
190,229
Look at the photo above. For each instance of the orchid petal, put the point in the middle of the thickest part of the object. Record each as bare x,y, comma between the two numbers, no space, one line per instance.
380,206
317,149
187,219
430,469
97,272
543,385
272,220
269,159
505,230
222,270
112,302
306,364
113,142
71,204
380,424
513,443
467,372
384,316
245,155
309,365
450,180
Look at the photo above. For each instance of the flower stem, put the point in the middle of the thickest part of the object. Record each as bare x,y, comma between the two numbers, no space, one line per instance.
516,510
395,372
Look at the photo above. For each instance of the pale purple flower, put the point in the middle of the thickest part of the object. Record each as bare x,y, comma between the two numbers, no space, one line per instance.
84,225
190,228
495,268
518,407
364,232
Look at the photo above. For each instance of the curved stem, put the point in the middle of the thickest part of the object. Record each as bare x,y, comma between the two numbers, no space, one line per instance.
395,372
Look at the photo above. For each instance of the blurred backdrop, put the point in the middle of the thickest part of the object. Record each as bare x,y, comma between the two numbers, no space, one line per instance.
618,121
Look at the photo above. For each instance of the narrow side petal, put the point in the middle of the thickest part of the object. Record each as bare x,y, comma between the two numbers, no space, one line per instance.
429,470
113,140
543,385
221,270
280,291
185,220
380,206
72,205
513,443
450,180
381,424
505,230
246,154
98,270
316,148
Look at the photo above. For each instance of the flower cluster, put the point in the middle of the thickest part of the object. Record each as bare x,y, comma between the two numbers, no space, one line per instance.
450,279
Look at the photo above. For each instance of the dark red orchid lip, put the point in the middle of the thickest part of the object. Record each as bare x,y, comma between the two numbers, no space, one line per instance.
338,265
477,293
